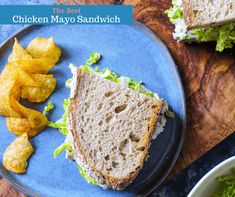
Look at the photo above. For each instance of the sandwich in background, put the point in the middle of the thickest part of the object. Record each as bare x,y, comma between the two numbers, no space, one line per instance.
204,20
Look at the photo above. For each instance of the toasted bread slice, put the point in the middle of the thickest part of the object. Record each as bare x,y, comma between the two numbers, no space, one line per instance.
208,13
112,128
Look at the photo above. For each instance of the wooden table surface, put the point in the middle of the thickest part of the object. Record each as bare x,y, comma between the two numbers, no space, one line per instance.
208,78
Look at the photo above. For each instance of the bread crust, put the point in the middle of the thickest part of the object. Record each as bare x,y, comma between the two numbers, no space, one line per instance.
188,13
104,179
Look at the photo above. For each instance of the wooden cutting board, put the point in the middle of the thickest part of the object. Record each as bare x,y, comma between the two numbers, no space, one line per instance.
208,78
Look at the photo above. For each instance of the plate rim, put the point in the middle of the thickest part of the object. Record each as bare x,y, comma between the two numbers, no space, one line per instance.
183,101
156,184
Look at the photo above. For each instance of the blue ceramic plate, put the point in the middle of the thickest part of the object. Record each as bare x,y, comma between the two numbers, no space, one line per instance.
132,51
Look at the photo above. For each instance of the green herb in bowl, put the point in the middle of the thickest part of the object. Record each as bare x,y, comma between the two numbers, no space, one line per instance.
226,185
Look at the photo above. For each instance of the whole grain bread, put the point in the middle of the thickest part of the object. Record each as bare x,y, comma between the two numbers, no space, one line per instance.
208,13
112,128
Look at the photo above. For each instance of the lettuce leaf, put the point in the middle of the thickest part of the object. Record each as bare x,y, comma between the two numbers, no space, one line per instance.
94,58
226,185
108,74
86,177
170,114
61,148
48,107
68,83
124,81
61,124
224,35
175,12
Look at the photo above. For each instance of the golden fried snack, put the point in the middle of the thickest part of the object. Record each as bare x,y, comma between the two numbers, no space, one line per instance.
39,94
18,53
9,91
36,121
16,155
21,125
11,80
14,72
44,48
18,126
36,66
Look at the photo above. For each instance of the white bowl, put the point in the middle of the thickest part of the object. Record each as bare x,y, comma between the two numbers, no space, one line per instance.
208,183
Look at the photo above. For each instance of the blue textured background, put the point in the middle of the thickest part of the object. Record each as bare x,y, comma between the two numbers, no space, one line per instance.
182,183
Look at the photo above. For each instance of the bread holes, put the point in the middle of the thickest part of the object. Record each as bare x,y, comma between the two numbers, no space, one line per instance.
154,106
142,148
123,155
120,108
142,102
108,94
114,149
114,164
90,154
95,153
133,108
107,157
108,118
100,123
195,12
134,138
122,147
108,169
87,105
127,96
99,107
123,144
111,104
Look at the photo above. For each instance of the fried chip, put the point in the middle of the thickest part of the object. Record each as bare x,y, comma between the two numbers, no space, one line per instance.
39,94
9,91
36,66
18,53
44,48
16,155
11,80
18,126
37,121
11,70
21,125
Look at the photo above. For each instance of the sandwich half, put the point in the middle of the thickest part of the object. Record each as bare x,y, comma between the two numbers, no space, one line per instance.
110,128
204,20
109,121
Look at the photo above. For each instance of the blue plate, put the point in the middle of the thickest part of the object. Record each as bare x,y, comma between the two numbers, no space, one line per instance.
132,51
